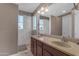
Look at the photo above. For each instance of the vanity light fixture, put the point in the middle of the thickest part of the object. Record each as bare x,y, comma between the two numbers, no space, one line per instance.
43,10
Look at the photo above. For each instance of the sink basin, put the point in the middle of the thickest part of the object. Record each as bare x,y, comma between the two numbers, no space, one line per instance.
39,36
62,44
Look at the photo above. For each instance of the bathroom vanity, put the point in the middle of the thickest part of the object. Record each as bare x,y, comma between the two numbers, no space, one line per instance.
46,46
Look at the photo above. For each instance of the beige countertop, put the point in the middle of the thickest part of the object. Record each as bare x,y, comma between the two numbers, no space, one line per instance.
72,50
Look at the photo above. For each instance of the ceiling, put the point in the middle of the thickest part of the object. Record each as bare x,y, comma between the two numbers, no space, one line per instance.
55,9
58,9
28,7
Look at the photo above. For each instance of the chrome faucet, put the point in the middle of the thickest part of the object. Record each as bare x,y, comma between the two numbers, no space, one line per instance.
64,39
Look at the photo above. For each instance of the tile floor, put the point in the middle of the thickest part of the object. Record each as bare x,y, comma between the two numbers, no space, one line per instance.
24,53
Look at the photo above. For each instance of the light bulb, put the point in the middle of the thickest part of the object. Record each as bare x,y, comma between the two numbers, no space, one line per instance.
46,10
38,11
42,12
64,11
42,8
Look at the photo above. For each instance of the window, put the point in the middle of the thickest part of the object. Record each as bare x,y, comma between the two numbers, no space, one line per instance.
41,24
34,22
20,22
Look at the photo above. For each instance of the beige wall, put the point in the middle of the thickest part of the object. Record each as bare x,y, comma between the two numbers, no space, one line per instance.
8,29
56,25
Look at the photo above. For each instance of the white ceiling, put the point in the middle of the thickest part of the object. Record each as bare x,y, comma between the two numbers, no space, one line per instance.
28,7
56,9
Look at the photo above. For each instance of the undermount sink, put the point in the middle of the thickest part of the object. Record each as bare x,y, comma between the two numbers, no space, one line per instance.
39,36
62,44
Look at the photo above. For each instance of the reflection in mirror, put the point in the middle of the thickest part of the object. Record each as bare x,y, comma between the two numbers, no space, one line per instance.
61,19
43,25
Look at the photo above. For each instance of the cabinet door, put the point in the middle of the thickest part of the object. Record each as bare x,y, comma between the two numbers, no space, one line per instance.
34,53
32,46
46,53
39,48
53,51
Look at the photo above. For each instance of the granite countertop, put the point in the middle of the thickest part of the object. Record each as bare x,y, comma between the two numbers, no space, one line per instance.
72,50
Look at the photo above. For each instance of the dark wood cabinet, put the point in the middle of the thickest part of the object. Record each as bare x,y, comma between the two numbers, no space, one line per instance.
33,46
46,53
52,51
39,48
39,51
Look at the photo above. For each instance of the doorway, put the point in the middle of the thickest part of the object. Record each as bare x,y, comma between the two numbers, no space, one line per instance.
24,32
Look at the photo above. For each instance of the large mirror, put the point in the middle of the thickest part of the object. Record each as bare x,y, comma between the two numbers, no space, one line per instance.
61,19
